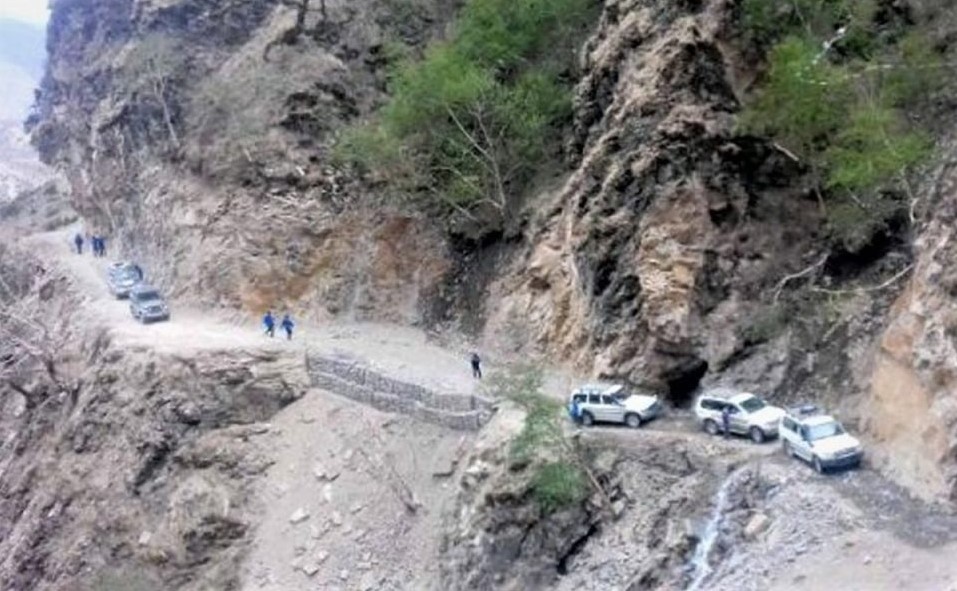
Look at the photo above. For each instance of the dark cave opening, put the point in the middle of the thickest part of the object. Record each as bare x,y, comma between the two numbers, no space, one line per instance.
683,381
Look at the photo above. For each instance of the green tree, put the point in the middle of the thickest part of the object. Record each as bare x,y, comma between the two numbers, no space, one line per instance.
469,122
834,96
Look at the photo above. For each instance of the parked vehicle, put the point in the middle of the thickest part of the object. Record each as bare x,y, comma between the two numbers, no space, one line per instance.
819,439
121,279
147,305
602,403
749,414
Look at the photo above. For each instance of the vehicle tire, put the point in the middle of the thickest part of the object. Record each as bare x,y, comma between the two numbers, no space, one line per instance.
633,420
711,428
818,466
587,419
756,434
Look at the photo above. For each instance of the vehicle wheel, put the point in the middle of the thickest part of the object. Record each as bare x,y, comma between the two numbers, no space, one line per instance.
633,420
711,428
818,466
587,419
757,435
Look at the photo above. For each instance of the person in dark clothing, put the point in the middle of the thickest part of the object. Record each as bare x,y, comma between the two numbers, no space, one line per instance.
287,326
726,420
269,324
139,271
476,366
95,245
102,247
78,240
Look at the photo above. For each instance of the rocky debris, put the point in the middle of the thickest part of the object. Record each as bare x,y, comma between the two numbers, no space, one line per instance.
498,537
299,516
780,516
321,472
756,525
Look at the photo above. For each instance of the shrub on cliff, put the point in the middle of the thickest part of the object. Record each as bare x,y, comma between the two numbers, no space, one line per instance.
469,122
835,96
561,474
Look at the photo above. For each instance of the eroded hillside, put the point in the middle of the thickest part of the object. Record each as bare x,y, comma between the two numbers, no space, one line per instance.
661,241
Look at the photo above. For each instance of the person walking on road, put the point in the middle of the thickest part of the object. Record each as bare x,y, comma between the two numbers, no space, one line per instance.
269,324
476,366
95,245
726,421
287,326
78,240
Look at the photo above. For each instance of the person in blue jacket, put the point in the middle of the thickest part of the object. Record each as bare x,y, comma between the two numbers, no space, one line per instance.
78,240
269,324
287,326
575,411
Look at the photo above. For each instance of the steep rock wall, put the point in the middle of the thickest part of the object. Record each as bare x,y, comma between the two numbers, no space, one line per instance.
660,243
196,136
912,405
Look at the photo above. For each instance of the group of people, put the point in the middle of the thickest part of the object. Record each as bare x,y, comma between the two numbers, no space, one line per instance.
97,244
269,325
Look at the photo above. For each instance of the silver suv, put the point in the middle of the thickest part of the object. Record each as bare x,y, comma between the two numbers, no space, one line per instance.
122,278
147,305
819,439
749,414
598,403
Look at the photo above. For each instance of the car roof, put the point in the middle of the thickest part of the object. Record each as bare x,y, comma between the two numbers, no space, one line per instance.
721,392
817,420
610,389
143,287
738,398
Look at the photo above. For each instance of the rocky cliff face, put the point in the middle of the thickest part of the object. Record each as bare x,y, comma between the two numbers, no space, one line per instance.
912,406
196,134
675,252
661,243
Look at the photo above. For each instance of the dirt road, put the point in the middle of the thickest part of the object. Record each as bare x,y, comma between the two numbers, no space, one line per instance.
354,497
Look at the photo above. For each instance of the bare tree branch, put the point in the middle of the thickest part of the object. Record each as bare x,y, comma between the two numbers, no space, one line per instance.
802,273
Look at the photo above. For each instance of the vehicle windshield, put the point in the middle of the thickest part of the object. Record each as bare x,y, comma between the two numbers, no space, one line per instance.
825,430
752,404
147,296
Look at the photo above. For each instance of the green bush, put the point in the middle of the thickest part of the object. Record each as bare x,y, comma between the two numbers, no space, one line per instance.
872,147
803,102
559,474
557,485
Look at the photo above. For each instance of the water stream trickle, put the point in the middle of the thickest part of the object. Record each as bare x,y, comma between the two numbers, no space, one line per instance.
700,565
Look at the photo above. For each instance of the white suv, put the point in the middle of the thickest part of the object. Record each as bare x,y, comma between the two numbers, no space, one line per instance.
819,439
612,404
749,415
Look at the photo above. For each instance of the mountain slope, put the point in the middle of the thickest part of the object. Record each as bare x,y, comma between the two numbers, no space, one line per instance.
671,250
